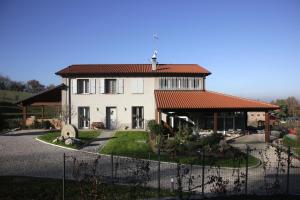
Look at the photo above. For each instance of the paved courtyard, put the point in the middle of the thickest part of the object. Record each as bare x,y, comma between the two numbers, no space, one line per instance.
21,154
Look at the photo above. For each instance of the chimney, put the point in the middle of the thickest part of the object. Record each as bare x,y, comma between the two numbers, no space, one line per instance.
154,61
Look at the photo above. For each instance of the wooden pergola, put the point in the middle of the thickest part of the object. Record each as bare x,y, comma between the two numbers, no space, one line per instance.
50,98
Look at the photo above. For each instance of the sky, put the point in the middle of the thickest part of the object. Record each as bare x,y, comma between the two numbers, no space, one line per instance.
252,47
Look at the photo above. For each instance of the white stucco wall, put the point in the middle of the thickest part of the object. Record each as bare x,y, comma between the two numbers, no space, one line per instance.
123,102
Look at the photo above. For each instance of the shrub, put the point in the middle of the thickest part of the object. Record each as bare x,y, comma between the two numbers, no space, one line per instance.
155,128
211,140
151,125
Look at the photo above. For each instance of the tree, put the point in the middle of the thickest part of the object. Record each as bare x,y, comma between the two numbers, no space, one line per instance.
283,111
34,86
293,106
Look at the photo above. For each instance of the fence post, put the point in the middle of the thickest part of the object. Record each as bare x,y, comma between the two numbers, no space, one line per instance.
158,171
246,178
288,170
112,167
203,171
64,176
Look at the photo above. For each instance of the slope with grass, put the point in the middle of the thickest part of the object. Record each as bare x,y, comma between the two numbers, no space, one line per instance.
13,96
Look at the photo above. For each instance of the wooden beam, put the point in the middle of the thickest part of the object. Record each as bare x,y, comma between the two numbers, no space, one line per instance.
43,112
24,111
267,127
46,104
245,120
215,122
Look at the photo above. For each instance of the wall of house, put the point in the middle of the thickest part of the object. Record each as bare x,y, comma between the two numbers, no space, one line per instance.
98,102
254,117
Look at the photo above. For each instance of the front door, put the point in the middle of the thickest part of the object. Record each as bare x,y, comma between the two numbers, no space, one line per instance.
83,117
138,117
111,117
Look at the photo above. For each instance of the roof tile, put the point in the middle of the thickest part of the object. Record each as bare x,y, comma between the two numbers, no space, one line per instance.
183,99
133,69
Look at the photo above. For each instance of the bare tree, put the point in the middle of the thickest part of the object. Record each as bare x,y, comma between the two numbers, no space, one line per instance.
67,113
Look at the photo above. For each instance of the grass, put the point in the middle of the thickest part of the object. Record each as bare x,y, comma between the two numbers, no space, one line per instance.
134,144
293,143
128,143
25,188
84,136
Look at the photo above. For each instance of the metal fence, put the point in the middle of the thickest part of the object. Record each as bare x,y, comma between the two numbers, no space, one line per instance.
276,172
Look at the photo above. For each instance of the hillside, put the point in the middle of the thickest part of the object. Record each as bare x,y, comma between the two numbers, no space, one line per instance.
13,96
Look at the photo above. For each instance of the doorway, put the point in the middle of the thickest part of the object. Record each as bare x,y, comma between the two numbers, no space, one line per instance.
137,117
111,117
83,117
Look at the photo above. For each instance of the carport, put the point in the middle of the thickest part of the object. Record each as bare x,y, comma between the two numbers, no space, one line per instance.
215,108
47,98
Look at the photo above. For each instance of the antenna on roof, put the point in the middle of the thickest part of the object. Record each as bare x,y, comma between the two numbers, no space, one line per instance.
154,56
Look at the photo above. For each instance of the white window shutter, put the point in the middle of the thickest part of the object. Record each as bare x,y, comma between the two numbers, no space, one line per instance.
102,86
74,86
140,85
92,86
120,83
133,85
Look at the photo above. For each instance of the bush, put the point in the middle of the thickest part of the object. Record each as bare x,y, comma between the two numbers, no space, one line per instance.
151,125
211,140
155,128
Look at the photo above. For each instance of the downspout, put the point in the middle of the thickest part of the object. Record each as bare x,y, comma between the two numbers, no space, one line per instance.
69,104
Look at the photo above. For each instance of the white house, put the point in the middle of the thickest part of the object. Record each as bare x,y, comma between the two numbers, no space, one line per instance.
128,95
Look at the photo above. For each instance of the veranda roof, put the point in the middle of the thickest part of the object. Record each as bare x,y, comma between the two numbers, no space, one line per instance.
207,100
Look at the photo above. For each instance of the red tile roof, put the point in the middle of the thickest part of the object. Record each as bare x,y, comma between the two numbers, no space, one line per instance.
133,69
184,99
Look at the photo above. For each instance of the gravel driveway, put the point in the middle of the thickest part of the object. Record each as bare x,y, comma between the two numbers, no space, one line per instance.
21,154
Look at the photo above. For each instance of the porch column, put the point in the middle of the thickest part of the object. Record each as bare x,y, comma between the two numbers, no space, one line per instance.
24,110
215,122
245,120
158,116
43,112
233,122
267,127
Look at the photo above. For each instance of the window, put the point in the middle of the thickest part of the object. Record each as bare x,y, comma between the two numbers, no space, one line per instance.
83,86
110,86
180,83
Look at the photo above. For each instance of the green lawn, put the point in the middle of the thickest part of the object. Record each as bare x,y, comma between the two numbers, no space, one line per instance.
85,136
134,144
128,143
293,143
28,188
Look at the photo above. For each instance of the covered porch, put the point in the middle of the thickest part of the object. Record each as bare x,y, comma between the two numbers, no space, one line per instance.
209,112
